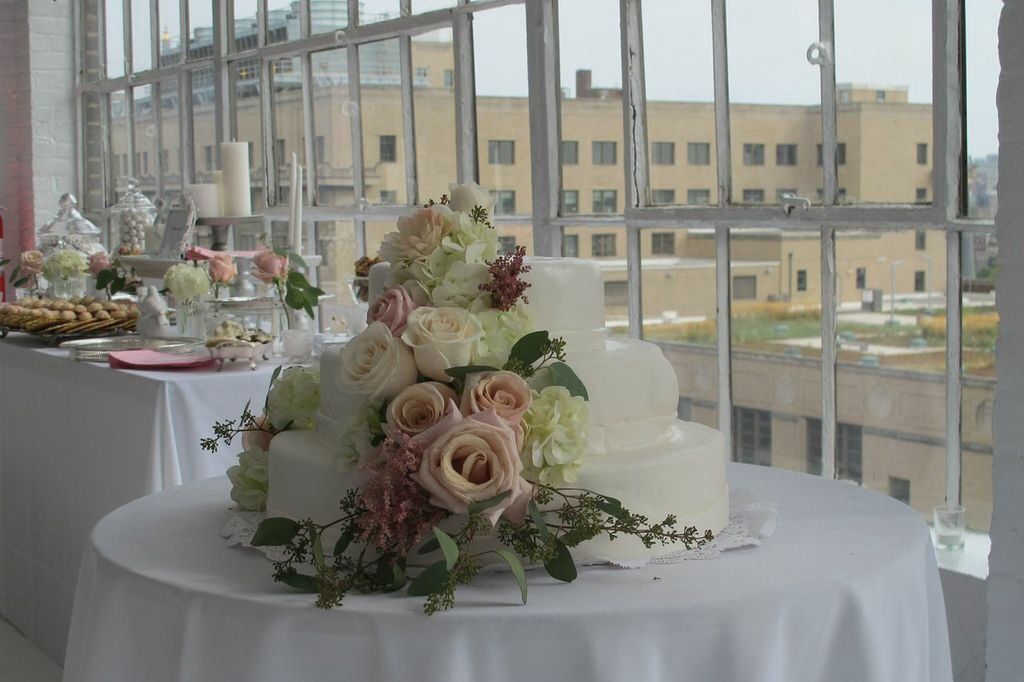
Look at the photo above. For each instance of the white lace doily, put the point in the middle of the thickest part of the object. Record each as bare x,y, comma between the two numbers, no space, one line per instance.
751,520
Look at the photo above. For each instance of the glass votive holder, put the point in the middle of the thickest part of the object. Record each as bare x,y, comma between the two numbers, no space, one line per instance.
950,526
298,345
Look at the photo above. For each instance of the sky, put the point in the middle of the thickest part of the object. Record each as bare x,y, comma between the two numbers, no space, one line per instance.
767,48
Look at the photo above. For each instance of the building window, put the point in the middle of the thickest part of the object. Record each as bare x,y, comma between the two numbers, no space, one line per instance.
449,78
840,154
388,197
506,245
785,155
801,280
501,152
422,72
663,197
163,160
663,153
570,201
388,149
571,245
208,154
922,154
921,195
849,450
252,155
752,436
570,152
603,153
899,488
840,195
145,163
862,278
919,281
505,201
753,155
698,196
920,240
744,288
321,149
602,245
663,243
616,293
753,196
782,194
698,153
605,201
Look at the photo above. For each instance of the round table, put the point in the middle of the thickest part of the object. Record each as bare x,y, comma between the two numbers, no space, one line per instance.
846,589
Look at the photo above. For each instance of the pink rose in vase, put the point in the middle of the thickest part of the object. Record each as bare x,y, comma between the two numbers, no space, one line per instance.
269,267
392,308
222,269
98,262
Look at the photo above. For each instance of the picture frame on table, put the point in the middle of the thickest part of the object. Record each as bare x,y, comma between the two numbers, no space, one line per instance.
179,223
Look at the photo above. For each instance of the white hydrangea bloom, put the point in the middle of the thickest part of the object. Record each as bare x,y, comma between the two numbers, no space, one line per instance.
295,398
250,480
186,282
555,435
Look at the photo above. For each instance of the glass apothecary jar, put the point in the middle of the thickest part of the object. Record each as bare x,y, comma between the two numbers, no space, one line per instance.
70,230
135,216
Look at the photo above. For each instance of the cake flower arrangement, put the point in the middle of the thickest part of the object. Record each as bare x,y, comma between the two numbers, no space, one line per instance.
468,428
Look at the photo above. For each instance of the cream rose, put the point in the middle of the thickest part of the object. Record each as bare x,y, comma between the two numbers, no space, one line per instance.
468,196
392,308
32,262
259,439
506,393
442,338
418,235
475,460
419,407
376,364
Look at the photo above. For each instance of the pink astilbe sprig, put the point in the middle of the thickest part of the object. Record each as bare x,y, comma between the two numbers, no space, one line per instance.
507,285
398,510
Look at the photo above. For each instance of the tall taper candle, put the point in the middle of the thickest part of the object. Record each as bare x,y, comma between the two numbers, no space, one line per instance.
297,243
236,198
218,179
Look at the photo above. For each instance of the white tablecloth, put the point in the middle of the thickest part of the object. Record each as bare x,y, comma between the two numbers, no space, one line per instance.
846,590
78,440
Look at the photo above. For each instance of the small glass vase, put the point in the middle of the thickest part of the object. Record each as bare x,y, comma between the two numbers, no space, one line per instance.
67,287
191,316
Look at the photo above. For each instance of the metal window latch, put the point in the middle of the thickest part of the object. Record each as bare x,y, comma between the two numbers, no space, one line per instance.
820,54
791,202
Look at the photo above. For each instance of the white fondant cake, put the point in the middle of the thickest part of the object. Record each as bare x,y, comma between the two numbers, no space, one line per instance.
638,451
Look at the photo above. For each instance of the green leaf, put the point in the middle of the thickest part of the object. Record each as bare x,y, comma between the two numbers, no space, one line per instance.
294,298
296,258
561,566
274,531
562,375
344,540
4,261
297,279
538,519
431,545
530,348
390,574
433,579
578,535
449,547
482,505
612,507
300,581
461,373
318,552
105,278
399,579
517,569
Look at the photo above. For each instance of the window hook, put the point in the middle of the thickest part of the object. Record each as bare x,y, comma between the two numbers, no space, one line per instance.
820,53
791,202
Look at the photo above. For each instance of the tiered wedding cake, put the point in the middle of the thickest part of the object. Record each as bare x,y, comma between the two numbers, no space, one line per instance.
637,450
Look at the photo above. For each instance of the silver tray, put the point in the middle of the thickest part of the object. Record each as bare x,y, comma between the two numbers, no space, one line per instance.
98,350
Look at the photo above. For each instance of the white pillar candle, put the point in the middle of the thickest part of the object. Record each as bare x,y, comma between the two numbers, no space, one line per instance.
236,196
207,199
218,179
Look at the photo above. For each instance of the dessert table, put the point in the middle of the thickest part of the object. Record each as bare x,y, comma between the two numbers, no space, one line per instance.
78,440
846,589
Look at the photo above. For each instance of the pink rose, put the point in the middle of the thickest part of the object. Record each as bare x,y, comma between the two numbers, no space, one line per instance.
98,262
267,266
252,440
198,253
419,407
222,269
392,308
32,263
506,393
473,460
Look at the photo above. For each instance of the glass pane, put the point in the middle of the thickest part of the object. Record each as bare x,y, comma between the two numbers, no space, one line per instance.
114,36
246,124
327,15
502,107
283,22
336,244
776,336
200,23
884,75
680,104
980,328
170,32
145,139
289,130
142,39
371,11
333,126
982,121
92,139
170,124
591,78
434,105
246,25
380,80
92,55
427,5
118,108
205,150
774,96
892,364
